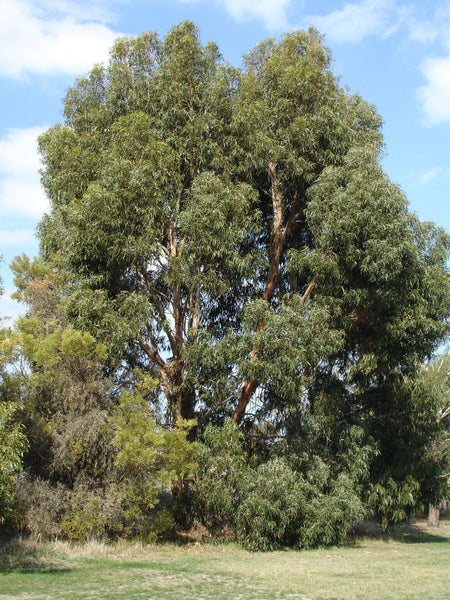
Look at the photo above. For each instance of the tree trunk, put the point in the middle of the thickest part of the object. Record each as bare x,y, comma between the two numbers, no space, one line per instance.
433,515
277,239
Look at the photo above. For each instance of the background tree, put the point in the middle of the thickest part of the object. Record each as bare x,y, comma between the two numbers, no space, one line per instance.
434,381
411,469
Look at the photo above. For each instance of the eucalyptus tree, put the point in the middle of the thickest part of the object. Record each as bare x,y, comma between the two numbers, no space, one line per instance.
233,231
147,214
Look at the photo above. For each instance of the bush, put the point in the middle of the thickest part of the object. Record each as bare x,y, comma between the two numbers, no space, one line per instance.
393,502
223,477
13,444
271,505
85,519
150,460
268,517
331,513
41,506
85,512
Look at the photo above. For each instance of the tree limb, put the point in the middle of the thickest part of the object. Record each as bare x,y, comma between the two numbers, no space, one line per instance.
155,357
278,236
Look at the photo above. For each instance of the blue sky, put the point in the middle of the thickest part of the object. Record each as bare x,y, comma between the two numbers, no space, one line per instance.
395,53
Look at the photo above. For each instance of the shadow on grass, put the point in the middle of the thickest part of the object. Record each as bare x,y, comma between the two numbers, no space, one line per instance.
417,536
407,533
19,556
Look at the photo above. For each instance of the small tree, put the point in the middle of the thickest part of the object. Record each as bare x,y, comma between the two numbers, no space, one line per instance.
435,381
13,444
13,441
151,460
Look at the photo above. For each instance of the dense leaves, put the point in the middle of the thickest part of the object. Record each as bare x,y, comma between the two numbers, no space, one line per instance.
13,444
298,500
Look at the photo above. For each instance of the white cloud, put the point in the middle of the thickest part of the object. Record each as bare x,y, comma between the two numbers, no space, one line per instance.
21,197
357,20
51,37
82,10
21,194
271,12
423,32
18,237
429,175
435,94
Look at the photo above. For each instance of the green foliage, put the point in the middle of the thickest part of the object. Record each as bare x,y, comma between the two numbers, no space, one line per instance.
433,387
97,461
163,181
331,508
87,522
57,372
269,515
226,239
67,402
394,502
223,476
220,226
122,509
404,419
150,460
270,504
13,439
333,486
13,444
144,447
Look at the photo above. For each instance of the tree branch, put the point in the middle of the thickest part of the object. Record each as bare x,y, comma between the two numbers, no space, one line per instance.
159,309
155,357
277,240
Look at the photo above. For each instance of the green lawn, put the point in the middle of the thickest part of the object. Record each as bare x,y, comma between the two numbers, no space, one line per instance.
412,565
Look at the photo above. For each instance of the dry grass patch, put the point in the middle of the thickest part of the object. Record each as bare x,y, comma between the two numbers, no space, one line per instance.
411,565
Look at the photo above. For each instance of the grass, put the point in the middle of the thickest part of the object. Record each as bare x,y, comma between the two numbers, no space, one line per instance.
412,564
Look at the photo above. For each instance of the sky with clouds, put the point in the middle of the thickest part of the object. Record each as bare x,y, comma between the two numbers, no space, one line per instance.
395,53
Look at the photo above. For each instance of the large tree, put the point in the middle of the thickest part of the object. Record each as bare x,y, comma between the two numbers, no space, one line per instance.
233,231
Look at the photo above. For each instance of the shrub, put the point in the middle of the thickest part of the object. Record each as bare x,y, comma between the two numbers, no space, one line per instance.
41,506
150,460
85,520
268,517
13,444
223,477
331,510
393,502
273,504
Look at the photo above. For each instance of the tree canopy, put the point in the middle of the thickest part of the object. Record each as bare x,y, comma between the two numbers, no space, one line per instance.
233,230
